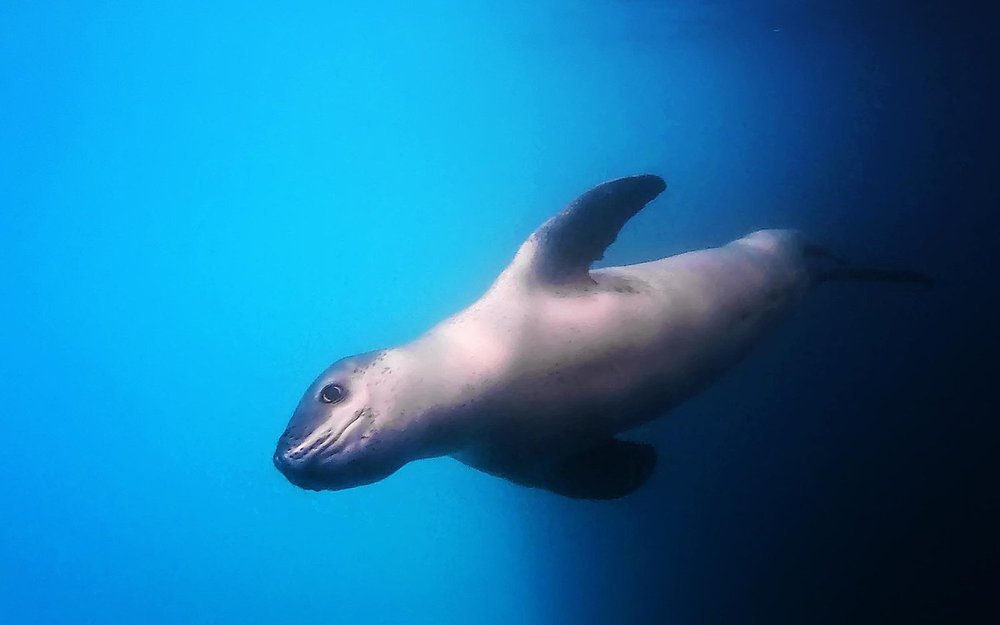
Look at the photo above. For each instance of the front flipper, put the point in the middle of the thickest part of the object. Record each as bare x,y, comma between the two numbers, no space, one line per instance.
564,247
610,470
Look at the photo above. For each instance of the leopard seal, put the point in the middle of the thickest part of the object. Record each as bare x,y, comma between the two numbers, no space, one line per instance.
535,380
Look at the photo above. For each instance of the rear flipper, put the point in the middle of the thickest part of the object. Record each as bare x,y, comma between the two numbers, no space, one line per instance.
827,267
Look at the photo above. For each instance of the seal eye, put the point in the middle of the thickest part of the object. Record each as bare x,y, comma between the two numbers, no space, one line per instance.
332,393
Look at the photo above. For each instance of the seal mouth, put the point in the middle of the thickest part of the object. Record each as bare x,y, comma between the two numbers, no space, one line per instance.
305,464
330,446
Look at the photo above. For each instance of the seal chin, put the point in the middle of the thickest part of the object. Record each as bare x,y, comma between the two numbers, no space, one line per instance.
304,474
314,472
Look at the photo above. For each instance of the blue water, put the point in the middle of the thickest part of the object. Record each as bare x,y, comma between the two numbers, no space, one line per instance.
204,204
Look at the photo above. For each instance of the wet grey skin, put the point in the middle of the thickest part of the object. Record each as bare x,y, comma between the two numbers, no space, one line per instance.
536,381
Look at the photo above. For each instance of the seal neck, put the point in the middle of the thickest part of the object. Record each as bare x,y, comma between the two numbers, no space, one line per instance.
420,391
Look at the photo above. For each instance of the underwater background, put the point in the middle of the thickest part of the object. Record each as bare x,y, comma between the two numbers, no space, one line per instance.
202,205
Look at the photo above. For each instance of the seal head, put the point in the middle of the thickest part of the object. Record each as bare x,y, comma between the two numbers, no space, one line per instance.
337,437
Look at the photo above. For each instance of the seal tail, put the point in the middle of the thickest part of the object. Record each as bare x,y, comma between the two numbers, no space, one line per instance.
828,267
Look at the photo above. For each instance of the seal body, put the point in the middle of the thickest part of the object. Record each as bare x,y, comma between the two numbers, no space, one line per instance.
551,370
534,380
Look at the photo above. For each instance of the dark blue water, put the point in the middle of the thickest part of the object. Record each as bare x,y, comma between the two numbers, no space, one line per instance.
203,206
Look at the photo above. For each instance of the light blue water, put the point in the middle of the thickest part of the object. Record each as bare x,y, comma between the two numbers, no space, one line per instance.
203,206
